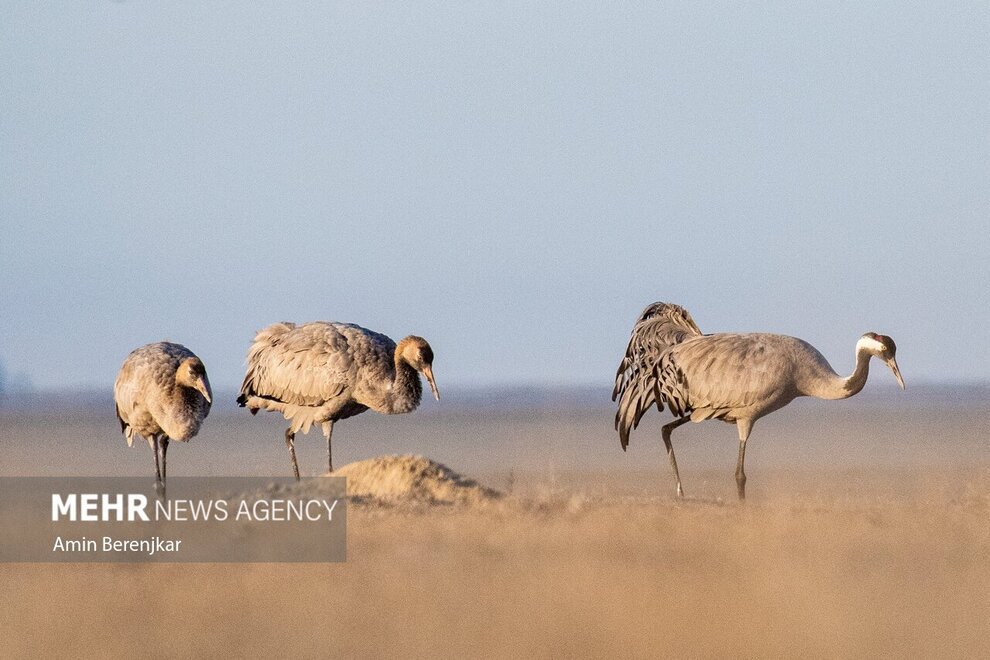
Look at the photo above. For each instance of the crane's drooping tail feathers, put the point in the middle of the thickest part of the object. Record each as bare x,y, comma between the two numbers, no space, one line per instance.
265,339
660,326
125,428
301,418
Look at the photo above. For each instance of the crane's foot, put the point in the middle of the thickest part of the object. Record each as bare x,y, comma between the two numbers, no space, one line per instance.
160,490
741,487
680,492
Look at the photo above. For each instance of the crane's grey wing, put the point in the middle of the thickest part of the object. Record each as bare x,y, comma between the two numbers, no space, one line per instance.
135,389
304,366
123,424
719,376
310,372
660,326
124,398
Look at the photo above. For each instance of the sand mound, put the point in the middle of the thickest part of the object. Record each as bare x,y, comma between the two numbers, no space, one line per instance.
410,479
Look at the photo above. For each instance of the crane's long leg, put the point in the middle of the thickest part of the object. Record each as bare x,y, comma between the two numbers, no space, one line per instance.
164,464
290,442
665,432
744,426
159,484
328,431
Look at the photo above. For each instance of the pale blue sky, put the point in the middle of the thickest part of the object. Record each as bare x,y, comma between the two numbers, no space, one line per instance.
513,181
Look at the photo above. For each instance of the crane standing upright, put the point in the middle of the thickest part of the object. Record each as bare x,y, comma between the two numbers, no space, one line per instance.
737,378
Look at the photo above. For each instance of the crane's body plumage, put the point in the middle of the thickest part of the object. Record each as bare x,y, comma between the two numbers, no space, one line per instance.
737,378
322,372
151,402
732,376
162,393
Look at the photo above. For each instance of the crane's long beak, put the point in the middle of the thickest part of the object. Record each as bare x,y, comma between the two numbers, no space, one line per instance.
428,372
203,387
892,363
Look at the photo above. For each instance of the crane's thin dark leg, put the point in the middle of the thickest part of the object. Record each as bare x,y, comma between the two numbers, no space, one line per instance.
164,463
665,432
159,484
328,431
744,426
290,442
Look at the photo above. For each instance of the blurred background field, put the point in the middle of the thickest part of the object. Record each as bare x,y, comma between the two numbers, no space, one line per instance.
530,435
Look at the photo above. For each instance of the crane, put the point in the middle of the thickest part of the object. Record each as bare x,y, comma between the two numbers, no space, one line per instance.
162,393
737,378
322,372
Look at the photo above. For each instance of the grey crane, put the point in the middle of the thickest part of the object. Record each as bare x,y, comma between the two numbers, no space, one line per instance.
322,372
162,393
737,378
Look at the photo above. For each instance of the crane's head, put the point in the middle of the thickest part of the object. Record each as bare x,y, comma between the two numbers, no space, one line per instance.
884,348
192,373
417,353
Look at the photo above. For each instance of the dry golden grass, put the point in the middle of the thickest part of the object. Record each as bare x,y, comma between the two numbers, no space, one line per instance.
561,574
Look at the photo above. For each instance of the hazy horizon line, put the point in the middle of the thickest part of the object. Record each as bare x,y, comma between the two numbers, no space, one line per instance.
511,396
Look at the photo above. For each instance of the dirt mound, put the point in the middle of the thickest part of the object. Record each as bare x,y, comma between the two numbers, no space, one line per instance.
411,479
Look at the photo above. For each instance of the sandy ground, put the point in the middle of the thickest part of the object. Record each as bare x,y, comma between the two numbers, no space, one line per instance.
851,550
564,577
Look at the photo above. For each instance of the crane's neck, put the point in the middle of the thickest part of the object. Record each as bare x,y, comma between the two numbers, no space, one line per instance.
843,388
406,391
183,413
